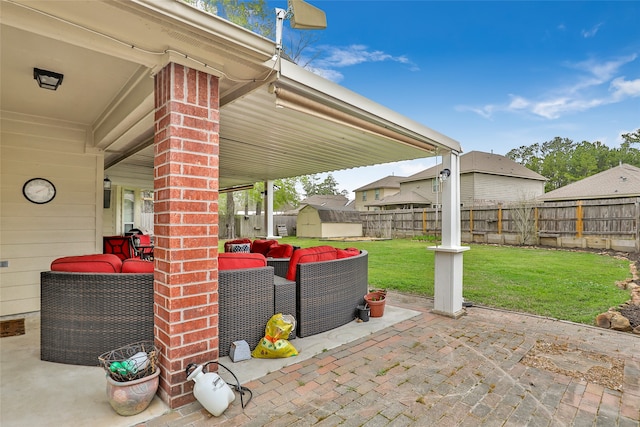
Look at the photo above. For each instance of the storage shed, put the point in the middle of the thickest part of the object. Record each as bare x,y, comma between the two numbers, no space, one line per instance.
324,222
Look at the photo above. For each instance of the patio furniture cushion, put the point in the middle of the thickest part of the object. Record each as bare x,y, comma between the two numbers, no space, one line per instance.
280,251
122,246
240,260
306,255
134,265
98,263
262,246
347,252
227,245
239,247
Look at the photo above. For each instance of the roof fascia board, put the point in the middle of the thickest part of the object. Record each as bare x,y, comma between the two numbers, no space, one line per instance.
242,40
310,85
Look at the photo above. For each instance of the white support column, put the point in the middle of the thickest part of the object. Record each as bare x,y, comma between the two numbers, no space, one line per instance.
268,186
448,256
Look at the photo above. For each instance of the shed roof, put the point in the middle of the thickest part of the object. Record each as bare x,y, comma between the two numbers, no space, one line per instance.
619,181
332,215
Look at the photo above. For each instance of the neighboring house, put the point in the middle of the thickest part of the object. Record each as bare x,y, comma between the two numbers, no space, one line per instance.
617,182
326,222
485,179
376,191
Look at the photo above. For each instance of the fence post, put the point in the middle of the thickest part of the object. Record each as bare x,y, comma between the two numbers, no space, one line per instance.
579,223
499,218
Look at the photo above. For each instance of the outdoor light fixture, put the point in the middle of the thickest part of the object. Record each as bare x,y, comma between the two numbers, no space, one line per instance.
444,174
106,187
302,16
47,79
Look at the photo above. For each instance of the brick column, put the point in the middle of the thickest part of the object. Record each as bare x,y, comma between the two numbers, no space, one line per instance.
185,225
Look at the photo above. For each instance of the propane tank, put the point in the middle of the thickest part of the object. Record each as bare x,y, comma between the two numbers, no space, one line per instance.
213,393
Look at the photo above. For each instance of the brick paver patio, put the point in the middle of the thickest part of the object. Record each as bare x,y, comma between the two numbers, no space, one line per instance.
436,371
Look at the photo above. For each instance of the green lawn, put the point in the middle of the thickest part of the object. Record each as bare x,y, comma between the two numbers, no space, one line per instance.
574,286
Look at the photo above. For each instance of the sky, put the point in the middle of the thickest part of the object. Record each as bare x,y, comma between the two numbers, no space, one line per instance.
494,76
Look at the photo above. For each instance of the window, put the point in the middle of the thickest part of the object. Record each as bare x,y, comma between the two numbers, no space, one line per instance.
435,185
377,194
128,205
364,196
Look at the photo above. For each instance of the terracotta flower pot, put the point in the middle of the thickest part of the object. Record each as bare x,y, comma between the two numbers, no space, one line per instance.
376,302
132,397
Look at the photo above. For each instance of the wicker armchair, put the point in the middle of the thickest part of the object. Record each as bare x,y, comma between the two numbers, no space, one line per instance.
328,293
83,315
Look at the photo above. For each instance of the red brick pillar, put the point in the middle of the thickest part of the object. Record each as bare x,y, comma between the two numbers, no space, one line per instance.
186,225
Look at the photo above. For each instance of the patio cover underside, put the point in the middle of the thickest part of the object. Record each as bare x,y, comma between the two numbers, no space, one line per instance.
277,120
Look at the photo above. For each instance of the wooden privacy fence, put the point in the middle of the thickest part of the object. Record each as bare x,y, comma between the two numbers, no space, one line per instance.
597,224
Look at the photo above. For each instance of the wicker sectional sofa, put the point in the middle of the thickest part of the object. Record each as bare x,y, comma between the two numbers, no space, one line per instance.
97,303
84,314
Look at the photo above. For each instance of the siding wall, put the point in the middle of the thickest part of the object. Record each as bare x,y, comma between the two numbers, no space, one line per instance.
31,236
489,189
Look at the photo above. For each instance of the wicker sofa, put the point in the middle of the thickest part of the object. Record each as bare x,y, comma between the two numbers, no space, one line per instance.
89,306
86,313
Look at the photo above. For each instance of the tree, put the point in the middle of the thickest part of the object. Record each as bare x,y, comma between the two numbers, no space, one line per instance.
254,15
563,161
312,186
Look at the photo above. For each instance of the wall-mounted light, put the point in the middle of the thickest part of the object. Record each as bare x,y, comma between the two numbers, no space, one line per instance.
106,187
47,79
444,174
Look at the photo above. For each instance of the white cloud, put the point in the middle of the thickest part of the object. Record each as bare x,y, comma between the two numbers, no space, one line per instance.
596,84
592,32
328,58
622,88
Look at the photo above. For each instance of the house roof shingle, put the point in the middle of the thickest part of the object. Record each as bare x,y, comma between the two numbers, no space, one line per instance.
390,181
619,181
481,162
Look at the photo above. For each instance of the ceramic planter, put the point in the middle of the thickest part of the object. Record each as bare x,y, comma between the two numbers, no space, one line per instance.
132,397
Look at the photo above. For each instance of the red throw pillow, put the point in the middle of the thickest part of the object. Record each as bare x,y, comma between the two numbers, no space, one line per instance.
347,252
227,245
98,263
135,265
240,260
280,251
315,254
262,246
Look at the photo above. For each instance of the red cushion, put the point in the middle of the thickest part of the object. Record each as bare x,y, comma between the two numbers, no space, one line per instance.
347,252
227,247
262,246
98,263
315,254
135,265
280,251
239,260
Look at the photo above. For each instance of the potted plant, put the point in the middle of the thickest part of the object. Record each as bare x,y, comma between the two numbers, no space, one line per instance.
132,377
376,299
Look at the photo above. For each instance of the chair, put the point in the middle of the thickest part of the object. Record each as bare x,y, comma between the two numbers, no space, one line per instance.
142,246
122,246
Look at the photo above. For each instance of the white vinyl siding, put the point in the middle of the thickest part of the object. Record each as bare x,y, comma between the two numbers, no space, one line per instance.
31,236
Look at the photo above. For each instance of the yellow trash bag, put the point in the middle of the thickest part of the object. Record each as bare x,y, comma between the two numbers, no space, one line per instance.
275,344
